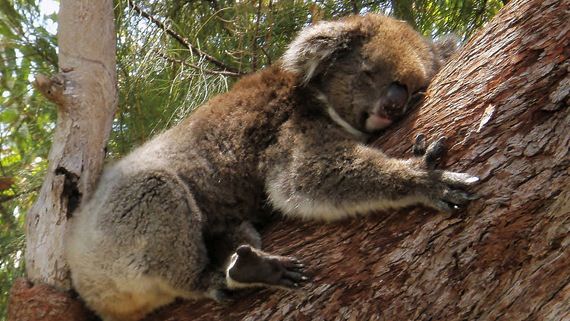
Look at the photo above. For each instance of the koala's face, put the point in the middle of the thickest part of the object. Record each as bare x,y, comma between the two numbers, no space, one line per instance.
370,94
368,69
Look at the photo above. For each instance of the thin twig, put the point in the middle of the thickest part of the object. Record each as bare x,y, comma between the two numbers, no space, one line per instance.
183,40
355,9
254,42
269,62
5,198
193,66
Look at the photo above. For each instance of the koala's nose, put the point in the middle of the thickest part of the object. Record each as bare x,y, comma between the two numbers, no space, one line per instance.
396,98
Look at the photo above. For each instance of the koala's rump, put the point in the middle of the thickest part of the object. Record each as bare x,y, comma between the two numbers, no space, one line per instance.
138,241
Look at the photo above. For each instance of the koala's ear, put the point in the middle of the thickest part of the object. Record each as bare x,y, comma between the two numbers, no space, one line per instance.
315,45
446,46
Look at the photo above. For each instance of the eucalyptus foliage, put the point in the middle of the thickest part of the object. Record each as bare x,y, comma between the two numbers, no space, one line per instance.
26,124
160,79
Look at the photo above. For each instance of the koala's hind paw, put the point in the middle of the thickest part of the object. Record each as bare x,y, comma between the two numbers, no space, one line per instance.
255,268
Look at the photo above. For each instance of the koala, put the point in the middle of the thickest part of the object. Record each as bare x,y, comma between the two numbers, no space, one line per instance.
176,217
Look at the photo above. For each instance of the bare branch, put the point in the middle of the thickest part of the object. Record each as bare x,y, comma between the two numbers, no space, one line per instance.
5,198
255,35
355,9
193,66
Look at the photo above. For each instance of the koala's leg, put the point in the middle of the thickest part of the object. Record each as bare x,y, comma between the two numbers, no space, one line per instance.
331,180
137,245
222,245
237,253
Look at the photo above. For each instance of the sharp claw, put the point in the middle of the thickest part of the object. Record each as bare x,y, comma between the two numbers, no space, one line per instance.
456,197
290,284
459,179
419,147
473,197
472,180
286,283
435,151
295,276
293,264
297,269
297,263
443,207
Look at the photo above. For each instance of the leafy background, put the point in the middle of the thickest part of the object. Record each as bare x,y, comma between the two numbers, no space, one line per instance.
161,78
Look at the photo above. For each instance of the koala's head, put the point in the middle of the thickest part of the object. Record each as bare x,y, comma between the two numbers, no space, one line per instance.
366,68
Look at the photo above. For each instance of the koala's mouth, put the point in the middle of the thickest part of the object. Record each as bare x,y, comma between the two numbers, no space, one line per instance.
377,121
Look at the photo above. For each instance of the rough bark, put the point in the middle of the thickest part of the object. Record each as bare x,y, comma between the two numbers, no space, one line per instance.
86,98
503,103
29,302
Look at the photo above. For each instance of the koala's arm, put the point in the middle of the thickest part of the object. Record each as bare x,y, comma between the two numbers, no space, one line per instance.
337,180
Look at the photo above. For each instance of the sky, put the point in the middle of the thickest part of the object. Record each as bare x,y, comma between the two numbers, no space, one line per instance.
48,7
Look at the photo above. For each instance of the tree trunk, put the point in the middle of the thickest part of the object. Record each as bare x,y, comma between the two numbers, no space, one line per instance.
86,98
503,103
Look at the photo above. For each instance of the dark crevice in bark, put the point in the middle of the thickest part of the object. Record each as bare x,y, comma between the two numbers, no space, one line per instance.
71,194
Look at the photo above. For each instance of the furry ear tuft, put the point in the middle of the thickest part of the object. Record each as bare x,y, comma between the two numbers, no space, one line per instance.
446,46
315,44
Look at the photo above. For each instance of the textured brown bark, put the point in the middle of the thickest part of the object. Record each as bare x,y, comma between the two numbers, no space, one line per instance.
43,302
86,98
503,103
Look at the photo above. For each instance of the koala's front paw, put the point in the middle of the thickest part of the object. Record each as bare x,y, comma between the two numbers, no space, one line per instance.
253,267
446,192
431,155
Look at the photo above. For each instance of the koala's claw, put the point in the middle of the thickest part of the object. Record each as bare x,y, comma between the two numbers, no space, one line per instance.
292,273
431,154
462,180
420,145
456,197
452,196
435,152
446,189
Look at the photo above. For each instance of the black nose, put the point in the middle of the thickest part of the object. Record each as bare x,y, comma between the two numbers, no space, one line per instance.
396,99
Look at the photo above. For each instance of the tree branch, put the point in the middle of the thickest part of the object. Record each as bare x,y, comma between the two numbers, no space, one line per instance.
5,198
485,262
255,35
193,66
183,41
355,9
